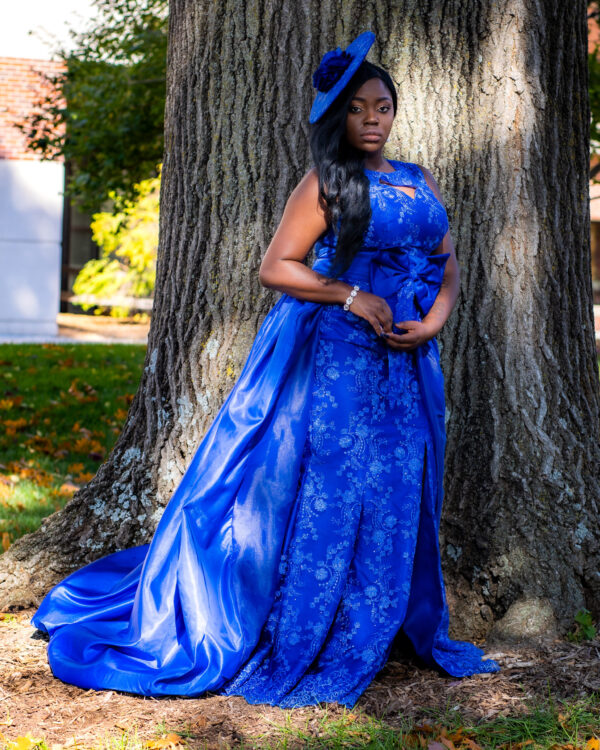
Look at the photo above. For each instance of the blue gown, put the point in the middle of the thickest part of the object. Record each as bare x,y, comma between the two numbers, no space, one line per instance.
304,534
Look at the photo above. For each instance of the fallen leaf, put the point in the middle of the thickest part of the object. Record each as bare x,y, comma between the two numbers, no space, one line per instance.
169,740
424,728
448,743
23,743
12,425
67,488
84,477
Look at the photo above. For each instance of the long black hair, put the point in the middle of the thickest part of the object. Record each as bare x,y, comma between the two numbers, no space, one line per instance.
343,185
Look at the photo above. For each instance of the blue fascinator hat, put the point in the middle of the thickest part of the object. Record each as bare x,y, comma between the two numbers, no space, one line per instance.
335,70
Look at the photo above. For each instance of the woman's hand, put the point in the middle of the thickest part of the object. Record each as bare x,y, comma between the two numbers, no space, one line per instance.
373,309
417,333
378,313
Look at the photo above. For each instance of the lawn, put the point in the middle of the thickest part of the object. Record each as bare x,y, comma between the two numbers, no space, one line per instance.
61,410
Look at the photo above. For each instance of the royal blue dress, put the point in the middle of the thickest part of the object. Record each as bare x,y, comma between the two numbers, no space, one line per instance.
304,534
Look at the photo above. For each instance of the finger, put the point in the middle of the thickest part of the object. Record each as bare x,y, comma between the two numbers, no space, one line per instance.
385,317
381,323
400,346
377,327
402,340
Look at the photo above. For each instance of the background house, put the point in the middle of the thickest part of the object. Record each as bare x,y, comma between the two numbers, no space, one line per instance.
43,241
31,209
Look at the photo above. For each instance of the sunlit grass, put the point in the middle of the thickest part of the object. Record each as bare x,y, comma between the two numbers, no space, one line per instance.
540,726
62,406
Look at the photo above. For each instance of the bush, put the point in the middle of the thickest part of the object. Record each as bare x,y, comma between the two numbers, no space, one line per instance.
128,238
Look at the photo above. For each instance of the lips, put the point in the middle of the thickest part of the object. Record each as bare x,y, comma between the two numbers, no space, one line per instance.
371,136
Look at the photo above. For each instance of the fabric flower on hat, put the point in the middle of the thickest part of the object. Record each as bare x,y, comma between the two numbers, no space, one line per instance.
335,70
331,69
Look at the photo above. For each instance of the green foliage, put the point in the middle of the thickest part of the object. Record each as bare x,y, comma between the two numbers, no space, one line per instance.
594,92
594,83
128,238
106,113
584,629
62,407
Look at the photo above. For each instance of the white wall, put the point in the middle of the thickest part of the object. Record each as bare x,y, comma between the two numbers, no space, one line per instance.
31,209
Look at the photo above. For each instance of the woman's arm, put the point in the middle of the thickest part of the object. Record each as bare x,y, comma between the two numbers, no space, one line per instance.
446,297
282,267
420,331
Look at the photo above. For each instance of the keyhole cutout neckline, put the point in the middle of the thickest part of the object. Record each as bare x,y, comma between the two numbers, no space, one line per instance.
399,187
383,181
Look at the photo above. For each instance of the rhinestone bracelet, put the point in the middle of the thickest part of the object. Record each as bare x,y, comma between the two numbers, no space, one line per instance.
350,299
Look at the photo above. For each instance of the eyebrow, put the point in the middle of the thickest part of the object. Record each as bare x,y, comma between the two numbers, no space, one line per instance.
380,98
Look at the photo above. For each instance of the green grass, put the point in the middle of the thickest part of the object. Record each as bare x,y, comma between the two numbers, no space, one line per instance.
61,410
545,724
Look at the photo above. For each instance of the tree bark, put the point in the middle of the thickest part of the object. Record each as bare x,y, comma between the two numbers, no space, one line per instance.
521,532
493,99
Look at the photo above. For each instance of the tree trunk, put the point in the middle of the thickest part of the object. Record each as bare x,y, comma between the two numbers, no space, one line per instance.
493,99
521,533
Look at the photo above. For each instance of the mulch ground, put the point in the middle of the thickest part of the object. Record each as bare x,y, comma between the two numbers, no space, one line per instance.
33,700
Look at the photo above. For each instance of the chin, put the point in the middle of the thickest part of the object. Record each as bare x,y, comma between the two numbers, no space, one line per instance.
369,148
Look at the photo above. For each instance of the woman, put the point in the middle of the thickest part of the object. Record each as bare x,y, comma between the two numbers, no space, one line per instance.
303,535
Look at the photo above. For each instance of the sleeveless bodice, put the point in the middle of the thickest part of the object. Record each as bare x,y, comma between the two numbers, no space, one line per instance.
398,222
398,259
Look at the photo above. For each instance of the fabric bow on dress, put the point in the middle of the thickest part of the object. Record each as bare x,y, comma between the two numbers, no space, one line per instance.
409,282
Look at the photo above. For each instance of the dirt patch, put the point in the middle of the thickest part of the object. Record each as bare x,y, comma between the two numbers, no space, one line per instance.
33,700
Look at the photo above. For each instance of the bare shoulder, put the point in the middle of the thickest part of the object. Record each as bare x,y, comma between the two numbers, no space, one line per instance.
430,179
309,184
305,195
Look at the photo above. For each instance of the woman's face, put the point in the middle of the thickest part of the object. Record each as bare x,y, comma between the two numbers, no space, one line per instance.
370,116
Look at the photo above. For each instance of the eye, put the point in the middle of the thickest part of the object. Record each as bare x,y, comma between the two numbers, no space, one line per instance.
354,107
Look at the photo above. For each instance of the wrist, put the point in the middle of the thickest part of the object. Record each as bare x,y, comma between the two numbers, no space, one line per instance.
351,296
432,328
